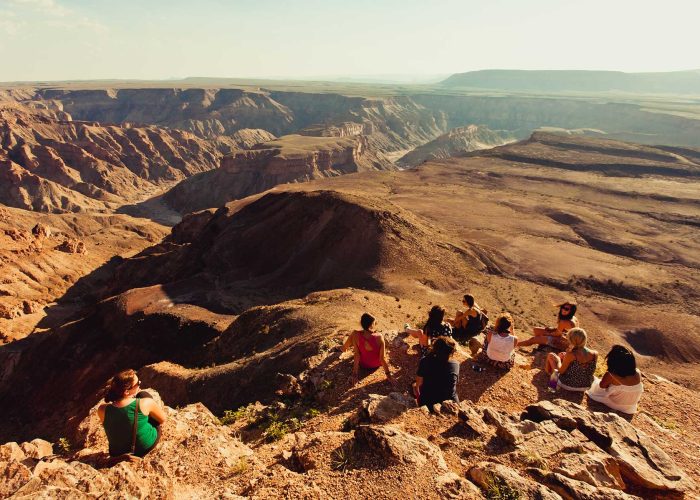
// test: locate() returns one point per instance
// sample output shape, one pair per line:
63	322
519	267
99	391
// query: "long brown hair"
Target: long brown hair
119	384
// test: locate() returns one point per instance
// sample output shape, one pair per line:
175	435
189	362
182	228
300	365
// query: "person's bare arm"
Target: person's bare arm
153	410
417	385
356	360
101	412
568	358
348	341
606	381
382	356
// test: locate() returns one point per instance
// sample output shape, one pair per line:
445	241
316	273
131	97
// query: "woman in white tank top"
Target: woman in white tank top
501	343
621	387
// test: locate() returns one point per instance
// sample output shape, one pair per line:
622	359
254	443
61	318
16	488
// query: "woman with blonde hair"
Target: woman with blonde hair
577	365
131	417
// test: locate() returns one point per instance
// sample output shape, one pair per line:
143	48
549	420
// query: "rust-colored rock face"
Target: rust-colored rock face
50	163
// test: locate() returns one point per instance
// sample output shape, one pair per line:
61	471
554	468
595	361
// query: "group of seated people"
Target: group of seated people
437	375
132	418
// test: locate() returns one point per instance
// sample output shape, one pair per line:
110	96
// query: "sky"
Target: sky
43	40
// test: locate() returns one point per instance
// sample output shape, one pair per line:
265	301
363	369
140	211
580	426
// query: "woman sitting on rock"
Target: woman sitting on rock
555	337
437	376
621	387
435	327
369	349
126	434
469	323
499	348
576	366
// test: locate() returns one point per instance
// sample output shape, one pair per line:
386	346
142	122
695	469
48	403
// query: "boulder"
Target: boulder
599	470
451	485
641	462
72	246
37	449
499	481
381	409
449	408
11	452
397	446
571	489
472	419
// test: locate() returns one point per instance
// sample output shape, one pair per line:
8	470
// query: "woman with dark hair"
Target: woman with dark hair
555	337
499	348
469	323
437	376
131	418
435	327
369	349
621	387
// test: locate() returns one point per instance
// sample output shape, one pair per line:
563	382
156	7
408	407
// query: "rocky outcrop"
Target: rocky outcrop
338	130
193	457
641	462
292	158
454	143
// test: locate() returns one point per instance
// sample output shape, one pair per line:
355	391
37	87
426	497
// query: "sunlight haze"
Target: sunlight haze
80	39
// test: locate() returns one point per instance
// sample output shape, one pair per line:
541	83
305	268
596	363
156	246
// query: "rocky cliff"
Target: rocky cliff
457	141
42	256
292	158
51	163
398	122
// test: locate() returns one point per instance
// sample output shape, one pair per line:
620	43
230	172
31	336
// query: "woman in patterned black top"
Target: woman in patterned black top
577	365
435	327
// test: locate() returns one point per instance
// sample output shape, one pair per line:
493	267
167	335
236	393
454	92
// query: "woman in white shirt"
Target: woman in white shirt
621	387
499	349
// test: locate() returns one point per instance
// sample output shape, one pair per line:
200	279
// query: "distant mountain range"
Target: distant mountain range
675	82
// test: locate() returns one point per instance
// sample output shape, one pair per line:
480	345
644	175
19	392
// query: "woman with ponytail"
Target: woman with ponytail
124	401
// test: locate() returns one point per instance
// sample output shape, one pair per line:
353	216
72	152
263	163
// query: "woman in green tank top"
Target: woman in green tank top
117	416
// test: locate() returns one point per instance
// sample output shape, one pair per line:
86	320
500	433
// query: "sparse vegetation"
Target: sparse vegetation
326	384
241	467
63	446
666	423
533	459
276	431
342	456
498	489
232	416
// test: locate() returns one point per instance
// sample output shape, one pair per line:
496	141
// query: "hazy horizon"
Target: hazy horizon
408	41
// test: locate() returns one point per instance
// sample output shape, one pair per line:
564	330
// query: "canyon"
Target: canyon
224	243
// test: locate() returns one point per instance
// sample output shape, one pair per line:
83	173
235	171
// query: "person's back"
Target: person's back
621	387
501	346
129	431
368	343
119	427
439	380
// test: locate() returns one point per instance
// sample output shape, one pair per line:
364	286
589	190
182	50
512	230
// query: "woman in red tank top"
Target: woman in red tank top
369	350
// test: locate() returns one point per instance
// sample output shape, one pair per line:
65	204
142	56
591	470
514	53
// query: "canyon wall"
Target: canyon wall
397	122
292	158
51	163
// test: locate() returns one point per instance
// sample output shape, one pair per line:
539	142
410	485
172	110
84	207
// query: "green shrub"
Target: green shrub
276	431
232	416
498	489
63	446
